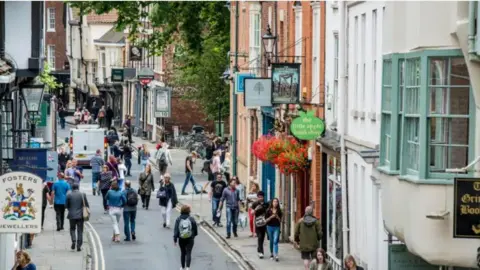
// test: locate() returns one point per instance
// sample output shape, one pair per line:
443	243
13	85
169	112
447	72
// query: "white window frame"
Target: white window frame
298	39
316	49
103	66
51	20
333	200
255	54
51	56
336	44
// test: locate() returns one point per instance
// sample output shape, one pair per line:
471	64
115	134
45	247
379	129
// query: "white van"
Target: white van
85	140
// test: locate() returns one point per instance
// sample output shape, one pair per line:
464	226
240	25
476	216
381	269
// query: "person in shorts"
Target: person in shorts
308	233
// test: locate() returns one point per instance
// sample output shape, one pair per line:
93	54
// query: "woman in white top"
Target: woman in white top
122	171
226	167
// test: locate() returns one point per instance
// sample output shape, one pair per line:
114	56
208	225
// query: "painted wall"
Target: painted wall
332	105
91	33
18	31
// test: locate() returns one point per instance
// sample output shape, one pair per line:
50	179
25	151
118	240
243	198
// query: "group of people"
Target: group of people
100	115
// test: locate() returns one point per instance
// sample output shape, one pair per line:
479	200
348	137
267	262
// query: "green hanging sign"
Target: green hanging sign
307	126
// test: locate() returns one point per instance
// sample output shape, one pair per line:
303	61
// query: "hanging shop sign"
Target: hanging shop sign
162	102
258	92
136	53
240	81
32	160
145	76
399	258
117	75
307	126
21	203
466	217
285	83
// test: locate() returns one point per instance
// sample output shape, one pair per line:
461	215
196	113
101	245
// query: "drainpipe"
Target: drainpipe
235	105
342	84
80	31
471	26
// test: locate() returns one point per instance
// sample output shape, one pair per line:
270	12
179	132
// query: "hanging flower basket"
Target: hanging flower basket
294	160
260	147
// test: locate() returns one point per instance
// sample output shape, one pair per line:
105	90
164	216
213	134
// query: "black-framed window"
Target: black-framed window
7	127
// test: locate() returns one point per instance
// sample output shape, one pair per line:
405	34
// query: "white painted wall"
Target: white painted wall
18	31
331	98
93	32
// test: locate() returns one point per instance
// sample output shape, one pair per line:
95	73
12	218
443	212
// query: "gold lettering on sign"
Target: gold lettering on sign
476	186
476	229
467	198
467	210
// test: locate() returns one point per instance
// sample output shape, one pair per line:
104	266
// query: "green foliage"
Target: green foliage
200	32
46	78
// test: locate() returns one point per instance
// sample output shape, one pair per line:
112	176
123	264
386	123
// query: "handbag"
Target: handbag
260	221
85	209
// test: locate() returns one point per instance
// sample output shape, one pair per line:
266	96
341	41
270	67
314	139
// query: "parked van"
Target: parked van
85	140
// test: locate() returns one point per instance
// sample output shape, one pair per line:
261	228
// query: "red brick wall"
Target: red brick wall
57	38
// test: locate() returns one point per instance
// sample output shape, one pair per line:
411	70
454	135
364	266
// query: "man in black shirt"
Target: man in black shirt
215	195
260	207
62	159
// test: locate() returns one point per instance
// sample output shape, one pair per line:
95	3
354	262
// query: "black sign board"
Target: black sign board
466	217
117	75
136	53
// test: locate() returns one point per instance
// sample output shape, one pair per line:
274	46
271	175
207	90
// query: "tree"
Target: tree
200	33
46	78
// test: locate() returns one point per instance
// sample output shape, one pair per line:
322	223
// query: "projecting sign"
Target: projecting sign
135	53
20	203
307	126
466	207
258	92
117	75
285	83
240	81
162	102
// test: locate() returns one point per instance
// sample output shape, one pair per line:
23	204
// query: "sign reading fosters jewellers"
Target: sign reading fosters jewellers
20	203
466	216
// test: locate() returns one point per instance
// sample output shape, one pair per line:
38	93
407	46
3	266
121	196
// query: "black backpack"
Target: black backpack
132	198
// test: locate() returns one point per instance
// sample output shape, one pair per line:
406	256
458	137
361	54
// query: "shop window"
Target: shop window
448	119
334	206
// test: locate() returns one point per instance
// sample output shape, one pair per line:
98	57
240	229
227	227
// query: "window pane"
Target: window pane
438	72
387	98
459	100
386	135
438	104
445	157
412	96
412	72
459	72
411	137
387	73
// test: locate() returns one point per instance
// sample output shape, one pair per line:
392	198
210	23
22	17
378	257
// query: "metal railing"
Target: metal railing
334	262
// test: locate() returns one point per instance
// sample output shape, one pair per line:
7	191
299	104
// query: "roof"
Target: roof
110	17
112	36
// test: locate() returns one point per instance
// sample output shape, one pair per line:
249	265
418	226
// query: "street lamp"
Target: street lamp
32	95
269	41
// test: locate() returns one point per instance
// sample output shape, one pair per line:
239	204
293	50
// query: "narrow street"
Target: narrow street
154	244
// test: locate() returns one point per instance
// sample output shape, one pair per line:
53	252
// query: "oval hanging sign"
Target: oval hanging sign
307	126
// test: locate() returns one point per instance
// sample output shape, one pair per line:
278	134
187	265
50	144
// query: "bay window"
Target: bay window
428	115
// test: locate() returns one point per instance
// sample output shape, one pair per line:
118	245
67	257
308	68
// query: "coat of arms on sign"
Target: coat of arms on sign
19	206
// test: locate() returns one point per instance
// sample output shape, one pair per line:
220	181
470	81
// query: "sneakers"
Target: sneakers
228	237
276	258
73	246
260	255
235	234
164	225
134	237
271	257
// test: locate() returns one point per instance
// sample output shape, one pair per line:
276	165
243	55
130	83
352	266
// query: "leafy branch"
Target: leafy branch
48	79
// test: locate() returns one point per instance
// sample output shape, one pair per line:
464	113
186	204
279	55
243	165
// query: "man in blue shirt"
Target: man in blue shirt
96	163
59	195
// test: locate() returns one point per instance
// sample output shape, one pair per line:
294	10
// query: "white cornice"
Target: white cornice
315	5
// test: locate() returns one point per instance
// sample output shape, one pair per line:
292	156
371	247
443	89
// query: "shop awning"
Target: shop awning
93	90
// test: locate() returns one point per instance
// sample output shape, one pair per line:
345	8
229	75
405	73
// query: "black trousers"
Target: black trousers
186	246
104	196
76	231
59	214
145	200
44	206
261	232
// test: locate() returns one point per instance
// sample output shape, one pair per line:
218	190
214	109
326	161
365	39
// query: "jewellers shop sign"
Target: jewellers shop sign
20	203
466	217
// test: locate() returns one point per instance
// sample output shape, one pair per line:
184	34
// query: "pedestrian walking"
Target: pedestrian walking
259	210
184	233
215	195
130	211
62	113
320	261
113	166
308	233
144	156
145	181
77	116
189	173
225	168
116	201
252	198
216	165
105	182
23	261
110	116
45	199
122	171
74	173
62	159
232	198
96	163
167	196
59	195
101	116
351	263
163	158
127	156
274	218
76	202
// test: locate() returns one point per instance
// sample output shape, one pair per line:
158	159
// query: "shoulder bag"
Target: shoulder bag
85	209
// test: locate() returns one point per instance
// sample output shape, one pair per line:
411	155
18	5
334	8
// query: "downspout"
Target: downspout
235	105
80	31
342	84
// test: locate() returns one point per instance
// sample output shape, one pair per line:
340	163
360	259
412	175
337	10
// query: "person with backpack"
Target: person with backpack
163	158
215	195
184	233
167	196
130	211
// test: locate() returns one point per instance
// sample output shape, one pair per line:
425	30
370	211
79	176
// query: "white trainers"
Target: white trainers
260	255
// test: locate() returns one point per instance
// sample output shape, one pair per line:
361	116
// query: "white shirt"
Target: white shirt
122	169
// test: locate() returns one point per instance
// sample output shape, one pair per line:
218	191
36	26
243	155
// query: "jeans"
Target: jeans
115	214
189	178
166	211
59	214
232	220
215	203
76	225
273	235
95	178
129	223
120	183
128	164
104	196
144	163
62	122
261	231
186	246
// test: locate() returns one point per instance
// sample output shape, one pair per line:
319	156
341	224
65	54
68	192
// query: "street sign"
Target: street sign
307	126
466	209
162	102
240	81
117	75
145	75
21	203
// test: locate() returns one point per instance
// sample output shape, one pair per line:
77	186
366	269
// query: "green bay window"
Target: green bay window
428	115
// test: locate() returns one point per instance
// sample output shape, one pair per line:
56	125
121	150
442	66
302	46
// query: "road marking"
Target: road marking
100	246
95	255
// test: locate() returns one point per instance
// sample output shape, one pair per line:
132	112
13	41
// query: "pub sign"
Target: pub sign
466	217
